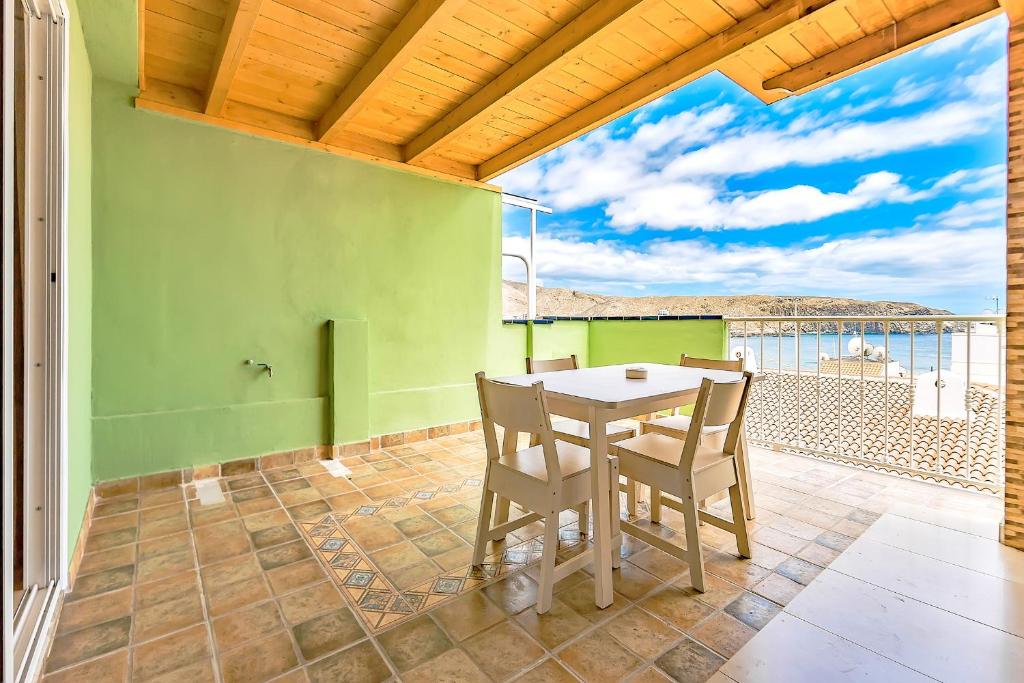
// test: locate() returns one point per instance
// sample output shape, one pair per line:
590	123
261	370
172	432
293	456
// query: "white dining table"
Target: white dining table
600	395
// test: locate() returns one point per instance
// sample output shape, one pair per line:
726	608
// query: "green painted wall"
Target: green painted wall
211	247
662	341
562	339
79	280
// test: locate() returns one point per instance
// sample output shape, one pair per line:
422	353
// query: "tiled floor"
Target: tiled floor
300	575
950	602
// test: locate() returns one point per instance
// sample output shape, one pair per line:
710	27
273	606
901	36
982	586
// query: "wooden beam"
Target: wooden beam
1014	9
415	28
687	67
589	26
904	35
142	45
238	24
174	100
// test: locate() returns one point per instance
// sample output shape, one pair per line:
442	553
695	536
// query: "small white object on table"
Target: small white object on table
598	396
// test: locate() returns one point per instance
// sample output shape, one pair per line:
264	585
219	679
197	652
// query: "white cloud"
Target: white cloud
987	212
693	205
981	34
908	90
894	264
974	180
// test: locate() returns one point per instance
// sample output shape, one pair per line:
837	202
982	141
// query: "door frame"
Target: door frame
29	624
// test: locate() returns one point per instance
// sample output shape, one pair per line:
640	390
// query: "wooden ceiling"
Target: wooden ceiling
468	89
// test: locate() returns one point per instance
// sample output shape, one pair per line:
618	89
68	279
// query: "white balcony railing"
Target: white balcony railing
921	396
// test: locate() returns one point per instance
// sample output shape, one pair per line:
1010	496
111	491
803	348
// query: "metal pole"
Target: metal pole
531	270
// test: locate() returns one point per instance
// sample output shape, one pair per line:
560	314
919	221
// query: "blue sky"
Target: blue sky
889	184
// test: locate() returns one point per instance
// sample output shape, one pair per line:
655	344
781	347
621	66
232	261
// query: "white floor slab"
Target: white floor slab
927	639
792	650
982	597
955	547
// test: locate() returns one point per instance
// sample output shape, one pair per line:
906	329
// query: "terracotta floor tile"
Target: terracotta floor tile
580	597
116	507
555	626
598	657
299	497
259	660
659	563
170	588
293	484
347	502
221	541
101	582
107	559
453	665
549	671
111	539
514	593
723	634
95	610
153	568
170	653
226	598
397	556
815	553
102	525
86	643
205	515
281	555
642	633
266	520
251	507
158	512
798	570
360	663
247	495
309	510
653	675
457	557
281	474
372	534
166	544
778	588
439	542
676	607
308	602
468	615
275	535
414	642
326	633
112	667
753	610
454	514
292	576
503	650
690	662
241	626
166	617
197	672
633	582
717	592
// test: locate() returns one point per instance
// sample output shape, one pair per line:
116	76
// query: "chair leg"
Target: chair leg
631	497
547	564
694	555
583	511
656	505
483	525
702	505
616	512
501	510
739	521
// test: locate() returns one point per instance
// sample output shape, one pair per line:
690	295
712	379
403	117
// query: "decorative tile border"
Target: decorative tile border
377	601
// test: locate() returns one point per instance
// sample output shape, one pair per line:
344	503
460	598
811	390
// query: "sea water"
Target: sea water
925	349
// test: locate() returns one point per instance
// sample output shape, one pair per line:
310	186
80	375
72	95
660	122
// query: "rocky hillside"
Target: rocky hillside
569	302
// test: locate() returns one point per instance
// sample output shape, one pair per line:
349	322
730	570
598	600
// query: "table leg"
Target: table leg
600	505
743	464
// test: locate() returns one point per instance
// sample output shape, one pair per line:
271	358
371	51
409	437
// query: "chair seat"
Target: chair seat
578	432
680	424
666	450
572	460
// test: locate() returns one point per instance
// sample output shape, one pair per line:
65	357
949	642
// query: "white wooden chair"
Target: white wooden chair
692	471
566	429
677	425
544	479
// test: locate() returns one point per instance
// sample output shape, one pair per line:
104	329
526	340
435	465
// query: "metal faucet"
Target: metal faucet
262	366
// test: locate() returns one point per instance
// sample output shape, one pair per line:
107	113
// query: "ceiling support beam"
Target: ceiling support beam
904	35
238	25
589	26
415	28
685	68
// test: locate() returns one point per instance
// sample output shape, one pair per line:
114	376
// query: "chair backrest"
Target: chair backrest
711	363
552	365
518	410
718	403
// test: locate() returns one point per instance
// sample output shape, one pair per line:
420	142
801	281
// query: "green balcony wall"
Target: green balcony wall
212	247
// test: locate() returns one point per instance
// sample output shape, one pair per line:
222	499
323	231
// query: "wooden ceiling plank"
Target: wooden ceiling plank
186	14
238	24
896	38
590	25
685	68
424	18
